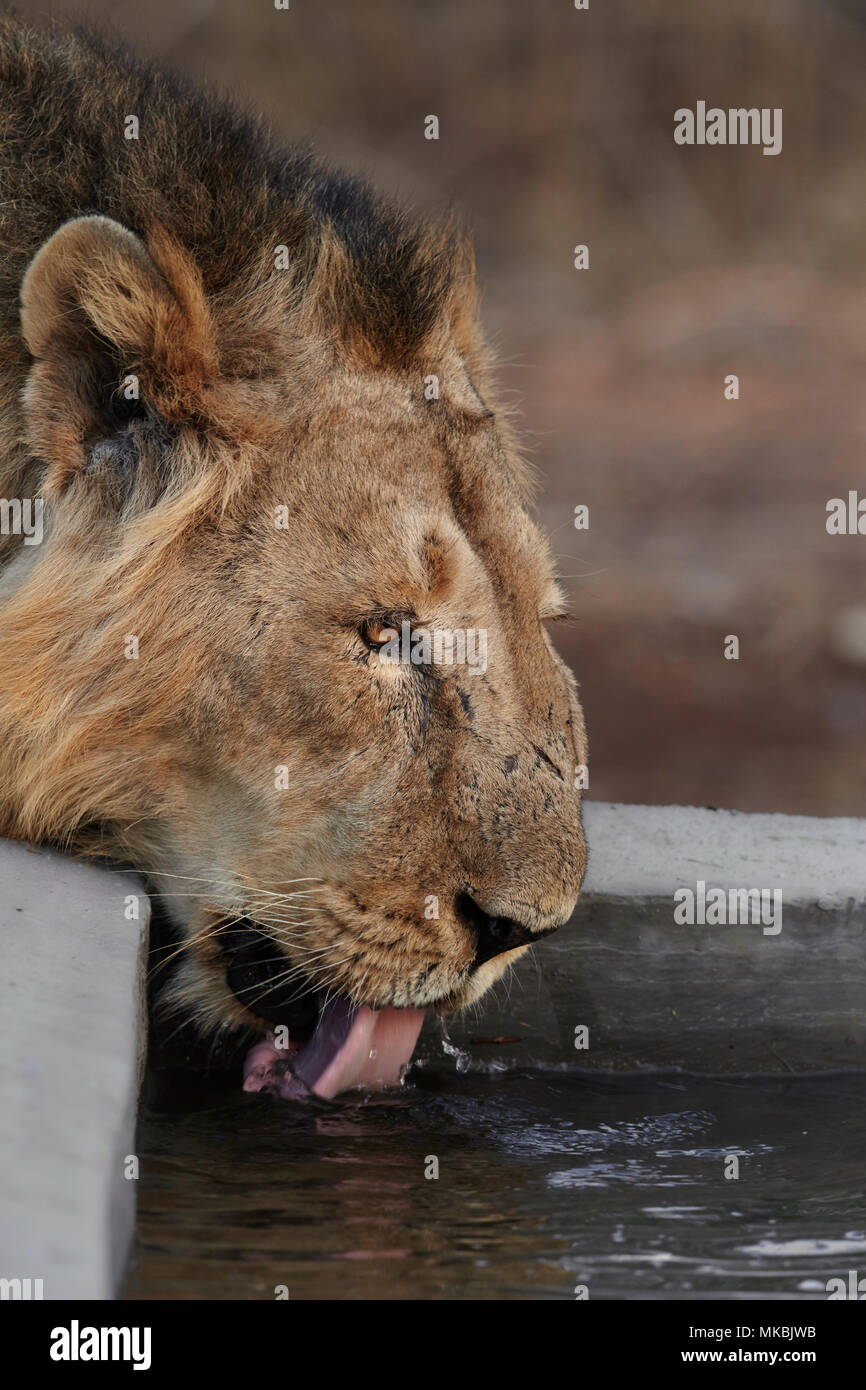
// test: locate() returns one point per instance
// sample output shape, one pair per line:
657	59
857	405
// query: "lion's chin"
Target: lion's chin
351	1047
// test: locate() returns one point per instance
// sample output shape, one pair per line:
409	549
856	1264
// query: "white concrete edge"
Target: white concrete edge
649	851
72	1042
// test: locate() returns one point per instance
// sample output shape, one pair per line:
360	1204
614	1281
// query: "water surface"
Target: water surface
547	1180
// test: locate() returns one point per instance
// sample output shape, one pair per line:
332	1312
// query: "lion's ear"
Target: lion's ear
97	309
93	277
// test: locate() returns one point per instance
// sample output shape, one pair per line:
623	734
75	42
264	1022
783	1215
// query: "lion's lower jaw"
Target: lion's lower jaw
351	1048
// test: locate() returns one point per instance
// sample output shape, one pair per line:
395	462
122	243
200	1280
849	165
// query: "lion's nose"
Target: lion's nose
494	935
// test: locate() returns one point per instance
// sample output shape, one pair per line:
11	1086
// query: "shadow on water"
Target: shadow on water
546	1180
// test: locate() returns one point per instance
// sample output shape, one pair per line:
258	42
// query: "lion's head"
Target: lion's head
284	644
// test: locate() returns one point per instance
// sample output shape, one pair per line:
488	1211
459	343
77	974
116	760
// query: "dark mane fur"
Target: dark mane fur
206	171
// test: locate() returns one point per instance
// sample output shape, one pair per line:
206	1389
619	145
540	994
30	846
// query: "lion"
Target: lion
254	405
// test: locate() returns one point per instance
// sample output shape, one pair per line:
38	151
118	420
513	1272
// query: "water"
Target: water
546	1180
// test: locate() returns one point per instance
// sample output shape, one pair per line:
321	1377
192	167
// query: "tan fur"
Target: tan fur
403	786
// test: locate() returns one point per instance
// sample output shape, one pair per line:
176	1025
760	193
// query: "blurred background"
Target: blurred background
707	516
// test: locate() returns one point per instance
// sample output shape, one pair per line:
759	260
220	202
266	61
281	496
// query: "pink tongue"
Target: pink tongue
350	1047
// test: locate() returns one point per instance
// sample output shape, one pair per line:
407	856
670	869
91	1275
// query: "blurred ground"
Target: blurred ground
707	517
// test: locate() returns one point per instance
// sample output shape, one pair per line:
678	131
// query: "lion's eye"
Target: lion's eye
376	634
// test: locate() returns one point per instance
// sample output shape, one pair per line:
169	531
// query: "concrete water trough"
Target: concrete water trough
652	973
783	993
